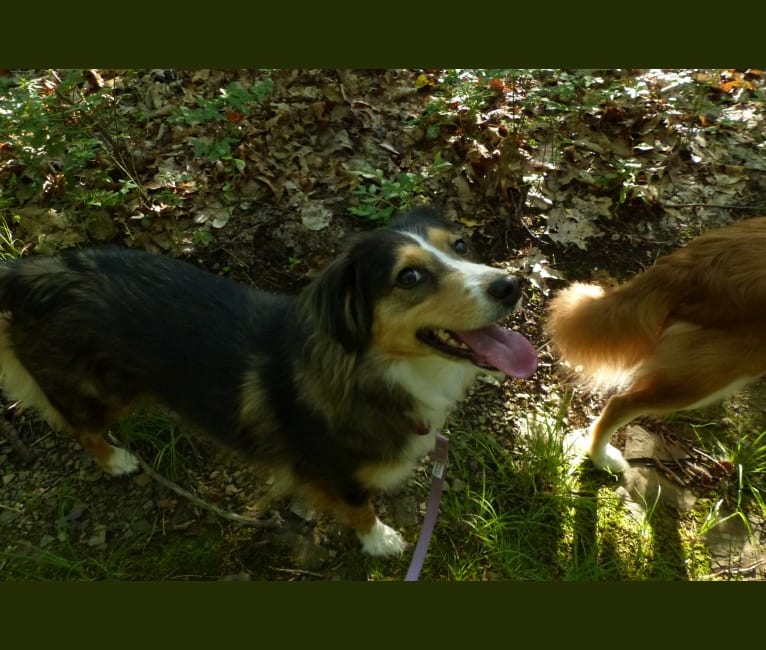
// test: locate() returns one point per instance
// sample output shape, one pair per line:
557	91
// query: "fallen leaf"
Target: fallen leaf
167	505
568	226
315	217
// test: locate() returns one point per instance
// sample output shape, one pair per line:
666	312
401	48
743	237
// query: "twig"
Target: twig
299	572
231	516
713	205
670	472
704	455
734	571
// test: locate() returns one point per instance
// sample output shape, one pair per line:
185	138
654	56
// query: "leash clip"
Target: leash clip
439	455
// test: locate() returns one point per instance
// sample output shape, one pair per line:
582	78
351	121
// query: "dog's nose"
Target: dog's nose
506	289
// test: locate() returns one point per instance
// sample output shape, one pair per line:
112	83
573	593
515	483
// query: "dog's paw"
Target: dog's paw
611	459
382	540
577	449
300	510
121	462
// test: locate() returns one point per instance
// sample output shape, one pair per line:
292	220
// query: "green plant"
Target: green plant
233	98
203	237
748	458
68	141
224	112
43	564
10	247
380	198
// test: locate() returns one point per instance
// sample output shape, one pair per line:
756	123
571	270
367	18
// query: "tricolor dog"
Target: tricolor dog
339	390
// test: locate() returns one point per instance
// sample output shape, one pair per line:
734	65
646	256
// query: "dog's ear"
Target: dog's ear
342	304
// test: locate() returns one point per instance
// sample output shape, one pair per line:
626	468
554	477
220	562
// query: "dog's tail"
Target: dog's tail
603	335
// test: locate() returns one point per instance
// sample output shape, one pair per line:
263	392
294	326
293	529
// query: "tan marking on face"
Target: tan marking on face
449	299
442	239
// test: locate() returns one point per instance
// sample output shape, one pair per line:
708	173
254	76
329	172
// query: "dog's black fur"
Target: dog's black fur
303	384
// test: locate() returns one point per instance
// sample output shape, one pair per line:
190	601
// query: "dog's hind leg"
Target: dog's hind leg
619	410
690	368
653	396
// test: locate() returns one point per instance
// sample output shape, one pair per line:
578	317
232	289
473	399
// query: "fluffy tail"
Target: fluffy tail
601	334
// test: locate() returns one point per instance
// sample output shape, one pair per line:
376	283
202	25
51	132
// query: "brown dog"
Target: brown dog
687	332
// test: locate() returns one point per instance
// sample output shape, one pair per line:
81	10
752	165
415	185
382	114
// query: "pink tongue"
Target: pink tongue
502	349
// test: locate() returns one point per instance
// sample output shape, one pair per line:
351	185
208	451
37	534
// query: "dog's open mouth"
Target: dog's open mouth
492	348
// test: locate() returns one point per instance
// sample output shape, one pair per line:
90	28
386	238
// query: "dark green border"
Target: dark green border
214	614
384	35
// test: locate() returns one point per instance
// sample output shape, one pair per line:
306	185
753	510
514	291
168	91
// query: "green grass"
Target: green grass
523	513
167	557
514	509
157	437
744	492
10	247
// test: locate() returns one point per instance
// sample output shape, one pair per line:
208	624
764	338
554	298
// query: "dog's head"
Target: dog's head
410	290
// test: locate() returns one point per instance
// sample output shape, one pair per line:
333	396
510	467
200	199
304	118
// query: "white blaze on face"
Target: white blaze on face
475	277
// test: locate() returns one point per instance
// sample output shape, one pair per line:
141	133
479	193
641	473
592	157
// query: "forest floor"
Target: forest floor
261	176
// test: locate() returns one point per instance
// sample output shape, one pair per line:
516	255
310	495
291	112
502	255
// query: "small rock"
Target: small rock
142	480
456	485
237	577
644	485
316	217
142	527
98	538
639	443
77	511
405	512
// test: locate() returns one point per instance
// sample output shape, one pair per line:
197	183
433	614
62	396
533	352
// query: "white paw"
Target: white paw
122	462
382	540
307	514
577	448
610	459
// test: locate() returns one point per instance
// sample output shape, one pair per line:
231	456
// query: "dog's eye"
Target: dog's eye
409	278
460	247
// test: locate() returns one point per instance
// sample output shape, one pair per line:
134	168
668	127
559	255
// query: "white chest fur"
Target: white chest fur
437	386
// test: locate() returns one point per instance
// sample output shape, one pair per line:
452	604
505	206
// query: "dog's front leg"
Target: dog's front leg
381	540
376	537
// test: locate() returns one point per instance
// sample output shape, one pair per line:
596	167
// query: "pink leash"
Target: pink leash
439	455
